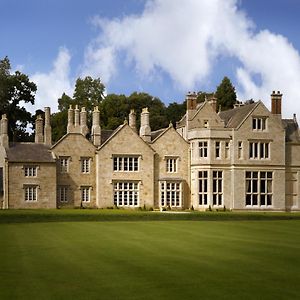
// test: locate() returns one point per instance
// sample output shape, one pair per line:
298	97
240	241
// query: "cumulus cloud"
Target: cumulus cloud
51	85
186	38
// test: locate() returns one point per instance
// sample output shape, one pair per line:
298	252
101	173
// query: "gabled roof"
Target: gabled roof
234	117
66	135
157	133
105	135
292	133
29	152
161	132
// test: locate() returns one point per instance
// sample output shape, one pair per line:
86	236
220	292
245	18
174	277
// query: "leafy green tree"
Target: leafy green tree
225	94
14	89
202	96
175	112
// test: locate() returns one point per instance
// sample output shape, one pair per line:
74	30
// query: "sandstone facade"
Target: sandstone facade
247	158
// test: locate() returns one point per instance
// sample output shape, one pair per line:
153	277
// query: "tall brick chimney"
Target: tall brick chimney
4	132
276	99
70	126
132	119
191	101
96	128
83	122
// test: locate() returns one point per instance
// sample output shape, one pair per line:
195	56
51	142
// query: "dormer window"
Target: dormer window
259	123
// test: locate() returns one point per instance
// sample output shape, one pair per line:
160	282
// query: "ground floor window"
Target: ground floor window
126	193
210	188
170	194
203	184
30	193
62	193
218	188
85	194
259	191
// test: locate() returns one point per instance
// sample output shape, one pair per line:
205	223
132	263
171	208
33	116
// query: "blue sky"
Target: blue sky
163	47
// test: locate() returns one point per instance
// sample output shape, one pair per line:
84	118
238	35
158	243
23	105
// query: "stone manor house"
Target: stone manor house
246	158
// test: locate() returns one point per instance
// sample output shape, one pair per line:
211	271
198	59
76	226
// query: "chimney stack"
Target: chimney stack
83	127
213	102
70	126
132	119
4	132
47	128
39	138
191	101
76	119
96	129
276	99
145	130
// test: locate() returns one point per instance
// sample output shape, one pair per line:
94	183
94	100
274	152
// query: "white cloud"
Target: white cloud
185	38
51	85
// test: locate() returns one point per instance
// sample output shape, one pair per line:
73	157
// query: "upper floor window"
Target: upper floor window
30	171
203	149
126	163
259	123
171	164
240	149
218	149
126	193
85	164
64	164
259	150
227	149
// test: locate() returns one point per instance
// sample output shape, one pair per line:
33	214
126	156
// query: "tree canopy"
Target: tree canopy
225	94
15	90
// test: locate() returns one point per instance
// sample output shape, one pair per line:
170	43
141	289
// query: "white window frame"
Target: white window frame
64	162
171	164
63	193
30	193
126	193
259	150
217	190
259	188
240	149
203	149
170	194
30	171
218	149
85	192
227	150
126	163
203	188
85	165
259	123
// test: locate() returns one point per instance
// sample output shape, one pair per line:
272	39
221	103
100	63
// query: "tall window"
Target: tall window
217	188
259	188
126	193
30	171
259	150
85	165
85	193
30	193
240	150
64	164
227	150
62	193
126	163
203	152
203	184
171	164
259	124
170	194
218	149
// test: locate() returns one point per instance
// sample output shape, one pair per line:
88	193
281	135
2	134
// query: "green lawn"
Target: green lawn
153	259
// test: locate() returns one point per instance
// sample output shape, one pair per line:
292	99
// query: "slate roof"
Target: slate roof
156	133
292	133
105	135
29	152
235	116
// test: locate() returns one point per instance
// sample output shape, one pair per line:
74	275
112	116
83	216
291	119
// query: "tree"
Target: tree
14	89
175	112
225	94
